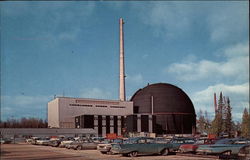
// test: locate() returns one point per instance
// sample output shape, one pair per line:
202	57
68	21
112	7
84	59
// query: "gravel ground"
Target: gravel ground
34	152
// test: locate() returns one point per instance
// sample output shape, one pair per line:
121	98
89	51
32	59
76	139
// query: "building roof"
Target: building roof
167	99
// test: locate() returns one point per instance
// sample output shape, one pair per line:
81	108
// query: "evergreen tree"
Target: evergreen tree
216	124
228	119
245	125
201	122
207	122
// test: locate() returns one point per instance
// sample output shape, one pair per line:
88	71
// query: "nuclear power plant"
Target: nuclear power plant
159	108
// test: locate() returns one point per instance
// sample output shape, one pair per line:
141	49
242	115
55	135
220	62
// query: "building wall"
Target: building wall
53	113
69	108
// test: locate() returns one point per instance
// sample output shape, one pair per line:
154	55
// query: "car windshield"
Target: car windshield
161	140
130	141
200	141
182	141
118	141
224	141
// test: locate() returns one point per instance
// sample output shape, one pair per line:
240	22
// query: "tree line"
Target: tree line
24	123
222	124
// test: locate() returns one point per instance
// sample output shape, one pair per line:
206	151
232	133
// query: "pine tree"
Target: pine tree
228	119
207	122
216	124
245	125
201	122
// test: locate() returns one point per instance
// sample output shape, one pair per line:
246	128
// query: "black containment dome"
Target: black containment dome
173	111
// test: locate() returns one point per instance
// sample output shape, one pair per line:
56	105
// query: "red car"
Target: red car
192	147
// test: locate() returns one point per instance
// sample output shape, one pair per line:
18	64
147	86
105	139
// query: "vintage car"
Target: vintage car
162	140
106	146
82	144
185	148
5	141
244	153
43	141
65	141
143	145
34	140
223	147
178	141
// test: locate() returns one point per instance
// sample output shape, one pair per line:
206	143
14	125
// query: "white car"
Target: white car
43	141
66	141
105	147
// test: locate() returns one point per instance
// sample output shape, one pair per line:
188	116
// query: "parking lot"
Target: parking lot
34	152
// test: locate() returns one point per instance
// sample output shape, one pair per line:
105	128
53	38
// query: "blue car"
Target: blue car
143	146
223	147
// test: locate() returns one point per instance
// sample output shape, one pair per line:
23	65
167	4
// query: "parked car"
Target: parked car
106	146
178	141
244	153
66	141
97	139
223	147
52	141
184	148
162	140
34	140
28	140
143	145
5	141
43	141
82	144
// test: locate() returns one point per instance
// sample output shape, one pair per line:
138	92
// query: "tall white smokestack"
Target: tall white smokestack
122	68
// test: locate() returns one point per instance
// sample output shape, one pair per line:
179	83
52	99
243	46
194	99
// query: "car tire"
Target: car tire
125	154
109	153
78	148
165	152
133	154
228	153
181	151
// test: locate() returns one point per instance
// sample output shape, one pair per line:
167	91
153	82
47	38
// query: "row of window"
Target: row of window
82	105
98	102
88	105
117	107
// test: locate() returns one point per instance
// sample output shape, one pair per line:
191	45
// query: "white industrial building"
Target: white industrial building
105	116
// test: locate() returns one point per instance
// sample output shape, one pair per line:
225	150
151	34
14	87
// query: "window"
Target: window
101	106
136	109
107	124
81	105
117	107
88	121
142	141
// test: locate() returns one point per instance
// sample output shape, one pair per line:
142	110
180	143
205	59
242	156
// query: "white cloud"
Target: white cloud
96	93
238	94
235	66
228	22
134	78
223	21
238	50
167	19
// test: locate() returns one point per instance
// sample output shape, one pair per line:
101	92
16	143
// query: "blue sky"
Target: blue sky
72	49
